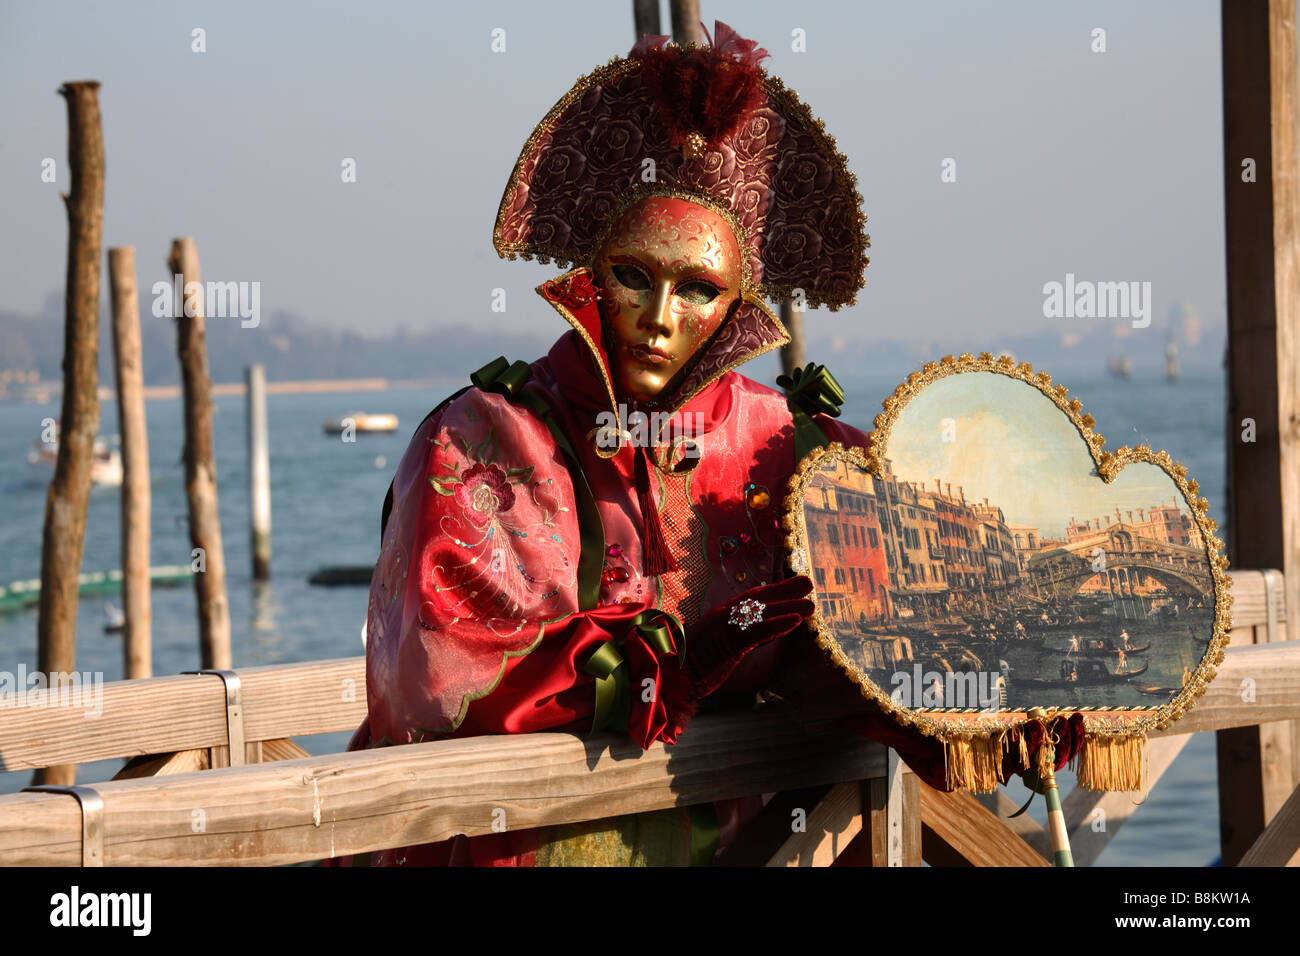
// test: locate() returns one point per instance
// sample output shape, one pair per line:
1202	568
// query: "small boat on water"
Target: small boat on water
105	463
114	618
1102	647
1085	673
361	422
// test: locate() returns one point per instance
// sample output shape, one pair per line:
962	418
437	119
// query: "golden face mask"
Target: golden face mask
669	273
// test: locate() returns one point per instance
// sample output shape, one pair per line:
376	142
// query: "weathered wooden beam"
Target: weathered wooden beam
1256	764
830	826
186	712
1261	147
164	765
1252	598
1279	844
167	714
762	836
282	750
1254	685
876	807
1023	826
64	532
969	830
318	807
191	761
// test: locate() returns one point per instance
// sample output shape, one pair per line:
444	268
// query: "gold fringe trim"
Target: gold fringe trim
974	762
1113	763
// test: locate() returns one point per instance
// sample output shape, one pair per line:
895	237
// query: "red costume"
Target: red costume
549	555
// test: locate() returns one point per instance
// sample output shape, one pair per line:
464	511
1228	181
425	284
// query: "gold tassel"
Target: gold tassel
1113	763
1046	756
974	763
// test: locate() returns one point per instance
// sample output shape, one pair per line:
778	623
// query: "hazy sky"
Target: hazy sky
1105	165
965	428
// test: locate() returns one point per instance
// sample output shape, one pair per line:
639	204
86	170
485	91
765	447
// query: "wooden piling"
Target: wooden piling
64	534
259	474
200	461
136	598
1257	766
686	21
793	354
645	18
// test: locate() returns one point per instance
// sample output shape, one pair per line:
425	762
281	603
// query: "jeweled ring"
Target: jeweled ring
745	613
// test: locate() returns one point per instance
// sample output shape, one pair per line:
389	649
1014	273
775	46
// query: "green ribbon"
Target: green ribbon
613	691
810	390
813	389
504	378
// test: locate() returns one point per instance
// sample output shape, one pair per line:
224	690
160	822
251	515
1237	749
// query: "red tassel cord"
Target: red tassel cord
657	558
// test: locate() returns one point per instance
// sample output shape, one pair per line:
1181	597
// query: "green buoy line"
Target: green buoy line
25	594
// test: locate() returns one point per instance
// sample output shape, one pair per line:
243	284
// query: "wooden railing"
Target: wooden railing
860	804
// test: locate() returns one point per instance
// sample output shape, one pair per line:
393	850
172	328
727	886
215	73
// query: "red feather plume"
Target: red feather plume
711	92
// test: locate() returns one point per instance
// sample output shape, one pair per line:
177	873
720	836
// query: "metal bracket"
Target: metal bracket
92	820
234	713
1270	604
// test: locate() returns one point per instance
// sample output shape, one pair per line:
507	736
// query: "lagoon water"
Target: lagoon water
326	498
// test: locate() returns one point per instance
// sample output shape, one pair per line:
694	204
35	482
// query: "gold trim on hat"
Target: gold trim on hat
787	104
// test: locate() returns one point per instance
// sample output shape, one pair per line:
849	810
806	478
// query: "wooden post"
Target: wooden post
136	646
645	18
686	21
64	534
1257	766
259	474
793	354
200	461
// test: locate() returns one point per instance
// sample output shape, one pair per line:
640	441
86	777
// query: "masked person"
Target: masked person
593	541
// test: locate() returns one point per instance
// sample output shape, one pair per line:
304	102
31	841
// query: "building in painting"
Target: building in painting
916	580
1001	564
852	576
903	549
1024	539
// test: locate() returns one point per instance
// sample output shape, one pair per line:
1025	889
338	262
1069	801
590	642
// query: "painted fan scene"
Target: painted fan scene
989	567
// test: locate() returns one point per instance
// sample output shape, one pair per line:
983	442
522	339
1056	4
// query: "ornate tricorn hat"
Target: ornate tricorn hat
704	123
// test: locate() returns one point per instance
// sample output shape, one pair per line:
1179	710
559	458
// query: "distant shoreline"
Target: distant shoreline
38	394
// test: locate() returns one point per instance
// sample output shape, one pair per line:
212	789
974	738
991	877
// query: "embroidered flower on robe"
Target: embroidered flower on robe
484	492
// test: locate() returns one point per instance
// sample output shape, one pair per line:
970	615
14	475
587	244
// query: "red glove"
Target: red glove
718	642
